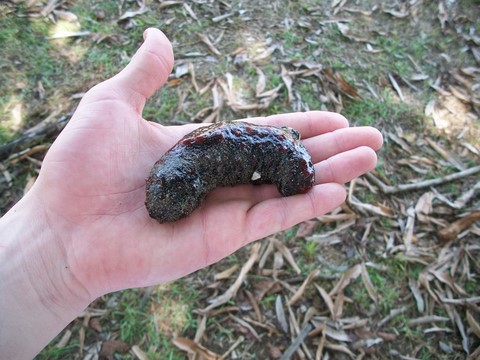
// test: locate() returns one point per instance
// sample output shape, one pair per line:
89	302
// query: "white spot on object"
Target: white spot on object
255	176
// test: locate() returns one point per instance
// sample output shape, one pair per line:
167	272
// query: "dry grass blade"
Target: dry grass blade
206	41
287	255
195	349
347	277
232	290
302	288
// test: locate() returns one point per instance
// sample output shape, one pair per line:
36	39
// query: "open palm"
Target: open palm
93	182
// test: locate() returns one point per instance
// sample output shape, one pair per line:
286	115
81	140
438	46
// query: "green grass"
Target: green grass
388	110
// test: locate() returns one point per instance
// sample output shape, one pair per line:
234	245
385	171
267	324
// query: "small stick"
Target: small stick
387	189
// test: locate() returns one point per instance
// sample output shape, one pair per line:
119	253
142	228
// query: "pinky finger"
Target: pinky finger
277	214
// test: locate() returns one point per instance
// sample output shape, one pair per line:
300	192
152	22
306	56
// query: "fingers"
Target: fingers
345	166
335	142
339	169
277	214
310	123
147	71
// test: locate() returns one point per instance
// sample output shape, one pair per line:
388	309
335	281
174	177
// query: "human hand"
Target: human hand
93	179
83	229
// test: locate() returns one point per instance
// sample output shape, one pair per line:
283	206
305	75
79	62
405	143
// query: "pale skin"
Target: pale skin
82	231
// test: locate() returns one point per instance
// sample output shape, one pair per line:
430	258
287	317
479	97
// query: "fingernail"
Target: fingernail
145	34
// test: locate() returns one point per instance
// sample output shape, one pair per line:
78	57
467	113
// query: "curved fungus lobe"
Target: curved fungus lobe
226	154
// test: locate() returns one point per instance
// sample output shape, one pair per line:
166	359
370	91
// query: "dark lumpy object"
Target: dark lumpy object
226	154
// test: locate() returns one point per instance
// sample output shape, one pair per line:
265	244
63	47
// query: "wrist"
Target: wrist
37	288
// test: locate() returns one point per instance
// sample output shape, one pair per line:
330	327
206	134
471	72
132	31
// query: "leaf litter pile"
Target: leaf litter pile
393	272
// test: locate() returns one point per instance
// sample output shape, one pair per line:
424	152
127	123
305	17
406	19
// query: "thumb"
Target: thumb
147	71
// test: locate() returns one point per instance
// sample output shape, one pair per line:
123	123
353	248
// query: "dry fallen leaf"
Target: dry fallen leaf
474	325
346	278
167	3
302	288
286	254
139	353
343	86
287	80
327	299
368	284
206	41
193	348
233	289
280	312
110	347
306	228
226	273
450	232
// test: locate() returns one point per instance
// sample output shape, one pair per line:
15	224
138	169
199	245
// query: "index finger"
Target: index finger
309	124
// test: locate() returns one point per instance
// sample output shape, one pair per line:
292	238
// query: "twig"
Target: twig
387	189
34	135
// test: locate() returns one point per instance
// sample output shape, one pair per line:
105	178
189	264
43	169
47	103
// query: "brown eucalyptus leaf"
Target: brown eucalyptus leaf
450	232
194	348
204	38
474	325
346	278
